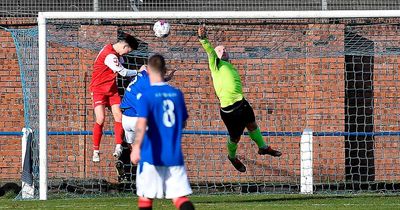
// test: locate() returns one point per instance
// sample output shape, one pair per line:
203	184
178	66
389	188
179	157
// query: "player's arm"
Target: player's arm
169	76
114	64
140	130
212	55
143	109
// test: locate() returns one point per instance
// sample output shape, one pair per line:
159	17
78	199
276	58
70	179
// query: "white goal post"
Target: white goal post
42	30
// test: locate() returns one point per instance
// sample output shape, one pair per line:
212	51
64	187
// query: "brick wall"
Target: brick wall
290	73
11	107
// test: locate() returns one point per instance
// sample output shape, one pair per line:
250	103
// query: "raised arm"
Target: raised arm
212	56
114	64
169	76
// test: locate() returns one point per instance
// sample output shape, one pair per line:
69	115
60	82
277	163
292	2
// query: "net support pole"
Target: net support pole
42	108
324	4
225	14
95	5
306	162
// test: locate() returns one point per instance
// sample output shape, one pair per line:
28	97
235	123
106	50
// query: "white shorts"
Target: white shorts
129	123
162	181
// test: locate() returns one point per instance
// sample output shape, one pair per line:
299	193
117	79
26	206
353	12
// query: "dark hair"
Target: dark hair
130	40
157	63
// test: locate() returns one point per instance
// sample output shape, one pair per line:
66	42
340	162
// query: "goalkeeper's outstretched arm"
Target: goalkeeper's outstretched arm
212	55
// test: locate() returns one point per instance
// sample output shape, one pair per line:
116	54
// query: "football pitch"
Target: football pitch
228	202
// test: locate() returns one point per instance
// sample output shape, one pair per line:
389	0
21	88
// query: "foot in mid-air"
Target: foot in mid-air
118	151
237	164
269	151
96	156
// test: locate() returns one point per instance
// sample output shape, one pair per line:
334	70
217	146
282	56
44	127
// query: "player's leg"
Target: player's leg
128	124
183	203
177	187
115	100
99	103
145	203
255	133
99	112
231	117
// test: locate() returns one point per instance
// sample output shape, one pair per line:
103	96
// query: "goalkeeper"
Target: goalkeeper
235	111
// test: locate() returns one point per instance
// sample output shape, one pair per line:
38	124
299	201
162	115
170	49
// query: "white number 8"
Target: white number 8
169	115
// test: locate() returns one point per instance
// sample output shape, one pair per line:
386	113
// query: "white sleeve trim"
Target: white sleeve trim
114	64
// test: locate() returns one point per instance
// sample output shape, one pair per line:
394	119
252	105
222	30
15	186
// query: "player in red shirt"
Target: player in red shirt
103	88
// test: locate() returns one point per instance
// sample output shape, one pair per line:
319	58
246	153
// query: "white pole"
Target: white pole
306	162
95	5
324	4
225	14
42	108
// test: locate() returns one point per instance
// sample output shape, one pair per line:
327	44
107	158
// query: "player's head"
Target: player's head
222	53
126	44
157	65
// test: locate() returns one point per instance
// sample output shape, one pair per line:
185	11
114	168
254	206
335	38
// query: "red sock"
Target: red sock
97	133
119	132
145	203
179	201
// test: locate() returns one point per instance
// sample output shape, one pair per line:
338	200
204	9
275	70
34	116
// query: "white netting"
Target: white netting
338	77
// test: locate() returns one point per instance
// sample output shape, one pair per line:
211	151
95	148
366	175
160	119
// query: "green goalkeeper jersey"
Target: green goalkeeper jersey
226	79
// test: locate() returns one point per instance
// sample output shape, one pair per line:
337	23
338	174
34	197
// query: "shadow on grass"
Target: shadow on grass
269	198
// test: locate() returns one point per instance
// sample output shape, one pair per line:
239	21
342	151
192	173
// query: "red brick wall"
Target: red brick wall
288	93
11	107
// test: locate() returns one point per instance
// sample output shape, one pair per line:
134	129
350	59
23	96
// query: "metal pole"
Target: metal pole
96	6
42	108
324	4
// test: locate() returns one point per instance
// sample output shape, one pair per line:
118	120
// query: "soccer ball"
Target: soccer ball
161	28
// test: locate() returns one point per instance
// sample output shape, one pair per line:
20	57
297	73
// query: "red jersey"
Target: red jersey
103	77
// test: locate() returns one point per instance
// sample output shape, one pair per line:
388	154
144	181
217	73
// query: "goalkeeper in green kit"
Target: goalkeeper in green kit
235	111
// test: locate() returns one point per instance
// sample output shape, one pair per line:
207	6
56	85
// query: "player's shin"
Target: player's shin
256	136
232	147
119	132
97	134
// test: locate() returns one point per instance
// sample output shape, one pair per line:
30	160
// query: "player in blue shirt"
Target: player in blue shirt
161	171
128	105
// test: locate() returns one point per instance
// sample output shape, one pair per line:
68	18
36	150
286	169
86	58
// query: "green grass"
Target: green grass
221	202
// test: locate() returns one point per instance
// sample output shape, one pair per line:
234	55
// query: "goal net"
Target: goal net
337	76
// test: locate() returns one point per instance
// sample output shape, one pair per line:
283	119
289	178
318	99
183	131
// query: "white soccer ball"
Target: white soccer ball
161	28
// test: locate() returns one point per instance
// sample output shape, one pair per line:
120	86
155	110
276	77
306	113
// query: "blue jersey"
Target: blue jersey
164	108
140	83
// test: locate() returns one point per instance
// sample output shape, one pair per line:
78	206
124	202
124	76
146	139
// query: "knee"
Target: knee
117	116
234	139
100	120
252	126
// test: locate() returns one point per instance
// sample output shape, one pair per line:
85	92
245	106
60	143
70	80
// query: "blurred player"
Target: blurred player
128	105
161	171
235	111
103	88
129	116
